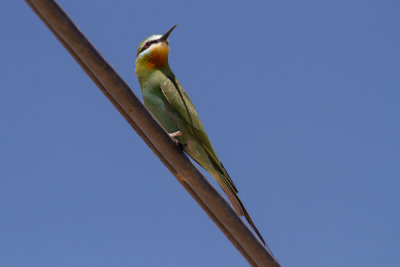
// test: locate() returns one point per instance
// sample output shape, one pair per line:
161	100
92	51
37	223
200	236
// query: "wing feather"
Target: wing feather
180	101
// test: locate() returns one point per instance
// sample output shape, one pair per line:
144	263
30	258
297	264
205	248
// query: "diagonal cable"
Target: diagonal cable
130	107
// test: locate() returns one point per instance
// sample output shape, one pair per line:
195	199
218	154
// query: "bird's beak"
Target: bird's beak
164	38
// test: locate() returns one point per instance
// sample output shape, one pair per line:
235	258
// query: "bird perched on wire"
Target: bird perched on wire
165	98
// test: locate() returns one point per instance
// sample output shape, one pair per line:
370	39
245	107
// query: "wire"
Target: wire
130	107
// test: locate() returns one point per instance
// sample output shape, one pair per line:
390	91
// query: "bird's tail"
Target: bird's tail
239	207
221	175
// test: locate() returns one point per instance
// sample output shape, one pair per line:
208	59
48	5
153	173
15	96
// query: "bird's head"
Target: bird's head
153	51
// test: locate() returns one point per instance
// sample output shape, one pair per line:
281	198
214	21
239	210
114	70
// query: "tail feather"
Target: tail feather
220	174
240	209
250	221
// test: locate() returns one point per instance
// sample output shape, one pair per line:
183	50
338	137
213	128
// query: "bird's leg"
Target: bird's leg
175	135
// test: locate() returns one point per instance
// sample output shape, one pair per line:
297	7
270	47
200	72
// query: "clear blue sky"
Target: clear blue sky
300	99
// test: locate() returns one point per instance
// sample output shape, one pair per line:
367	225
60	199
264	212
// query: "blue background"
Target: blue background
301	102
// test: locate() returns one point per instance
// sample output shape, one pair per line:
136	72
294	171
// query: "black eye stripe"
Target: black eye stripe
150	43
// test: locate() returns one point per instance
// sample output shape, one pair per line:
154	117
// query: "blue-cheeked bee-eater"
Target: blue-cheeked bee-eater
165	98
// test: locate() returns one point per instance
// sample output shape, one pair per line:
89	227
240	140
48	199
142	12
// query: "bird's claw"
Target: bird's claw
174	137
175	134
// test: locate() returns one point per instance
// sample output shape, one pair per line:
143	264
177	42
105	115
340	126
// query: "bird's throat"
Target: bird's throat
158	56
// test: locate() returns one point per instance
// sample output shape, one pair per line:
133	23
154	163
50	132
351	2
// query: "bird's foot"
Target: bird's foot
174	136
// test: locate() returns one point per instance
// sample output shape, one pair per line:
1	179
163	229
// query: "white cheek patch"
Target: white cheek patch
145	52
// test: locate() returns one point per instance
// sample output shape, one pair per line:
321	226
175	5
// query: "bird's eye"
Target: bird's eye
147	44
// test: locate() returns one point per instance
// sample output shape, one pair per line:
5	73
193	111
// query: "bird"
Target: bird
169	104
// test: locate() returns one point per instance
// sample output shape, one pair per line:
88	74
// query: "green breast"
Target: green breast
158	105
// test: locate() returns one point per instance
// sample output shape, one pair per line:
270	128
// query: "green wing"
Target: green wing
180	101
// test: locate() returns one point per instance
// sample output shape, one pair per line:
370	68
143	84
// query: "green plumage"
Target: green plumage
165	98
